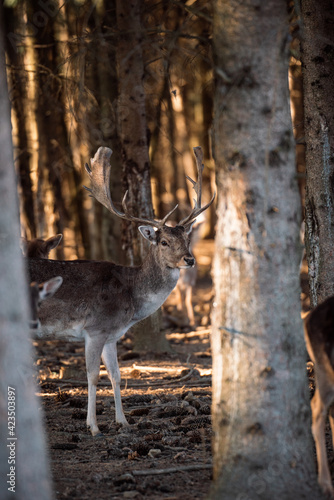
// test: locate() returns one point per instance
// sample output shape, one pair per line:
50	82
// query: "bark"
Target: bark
318	75
16	363
18	82
133	137
261	415
51	129
107	97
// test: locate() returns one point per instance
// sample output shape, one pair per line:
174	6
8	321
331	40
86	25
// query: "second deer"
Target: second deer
38	248
319	336
100	301
187	282
38	293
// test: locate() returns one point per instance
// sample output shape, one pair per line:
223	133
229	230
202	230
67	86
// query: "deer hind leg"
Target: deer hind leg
189	305
319	413
180	298
109	357
93	350
331	421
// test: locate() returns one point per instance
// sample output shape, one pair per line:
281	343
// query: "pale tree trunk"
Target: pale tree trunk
262	439
132	133
23	444
318	75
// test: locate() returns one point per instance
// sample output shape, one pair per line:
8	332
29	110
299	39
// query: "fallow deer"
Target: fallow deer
187	282
319	337
38	293
38	248
100	301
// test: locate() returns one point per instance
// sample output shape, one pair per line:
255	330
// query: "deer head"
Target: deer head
171	242
38	293
38	248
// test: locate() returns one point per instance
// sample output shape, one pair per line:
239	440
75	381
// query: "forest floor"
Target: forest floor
166	451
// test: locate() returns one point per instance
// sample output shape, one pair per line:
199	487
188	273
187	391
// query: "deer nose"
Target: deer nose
190	261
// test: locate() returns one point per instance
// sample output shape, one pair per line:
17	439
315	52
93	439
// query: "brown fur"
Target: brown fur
38	248
319	336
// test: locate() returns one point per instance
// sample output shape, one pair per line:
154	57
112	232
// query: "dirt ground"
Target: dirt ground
166	452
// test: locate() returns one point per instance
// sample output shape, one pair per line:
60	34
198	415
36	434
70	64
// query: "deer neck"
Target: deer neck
156	274
154	284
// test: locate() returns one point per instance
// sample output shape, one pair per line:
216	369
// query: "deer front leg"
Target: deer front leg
319	413
109	357
93	350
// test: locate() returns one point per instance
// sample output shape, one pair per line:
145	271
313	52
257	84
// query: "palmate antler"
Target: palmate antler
100	181
99	174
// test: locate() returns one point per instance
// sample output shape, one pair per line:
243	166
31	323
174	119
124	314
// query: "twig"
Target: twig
205	380
170	470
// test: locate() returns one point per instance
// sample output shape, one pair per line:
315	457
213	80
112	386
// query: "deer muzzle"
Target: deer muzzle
186	262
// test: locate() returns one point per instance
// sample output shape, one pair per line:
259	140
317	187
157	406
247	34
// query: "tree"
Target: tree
22	445
262	444
318	76
133	137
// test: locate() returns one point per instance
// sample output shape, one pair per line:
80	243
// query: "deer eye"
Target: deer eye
164	243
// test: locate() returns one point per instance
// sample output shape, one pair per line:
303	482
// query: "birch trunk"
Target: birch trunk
261	421
23	464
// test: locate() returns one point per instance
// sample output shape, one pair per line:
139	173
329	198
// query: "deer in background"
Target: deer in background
100	301
38	248
187	281
319	337
38	293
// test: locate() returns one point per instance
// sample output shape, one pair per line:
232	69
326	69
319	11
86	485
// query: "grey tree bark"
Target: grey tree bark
261	415
318	77
23	464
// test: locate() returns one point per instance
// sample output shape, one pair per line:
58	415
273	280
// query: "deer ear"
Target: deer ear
52	242
149	233
49	288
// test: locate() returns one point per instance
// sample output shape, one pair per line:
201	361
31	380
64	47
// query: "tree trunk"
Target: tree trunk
23	464
19	82
261	413
318	74
133	137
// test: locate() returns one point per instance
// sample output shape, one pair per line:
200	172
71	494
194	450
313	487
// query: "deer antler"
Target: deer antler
100	179
197	187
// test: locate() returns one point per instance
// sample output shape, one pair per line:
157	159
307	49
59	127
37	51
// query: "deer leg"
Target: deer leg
109	357
93	350
331	421
319	413
189	305
179	302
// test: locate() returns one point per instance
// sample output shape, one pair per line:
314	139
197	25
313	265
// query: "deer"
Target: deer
319	338
187	282
39	248
99	300
38	293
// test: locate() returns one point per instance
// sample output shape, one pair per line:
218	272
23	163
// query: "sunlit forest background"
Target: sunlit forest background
64	91
63	85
